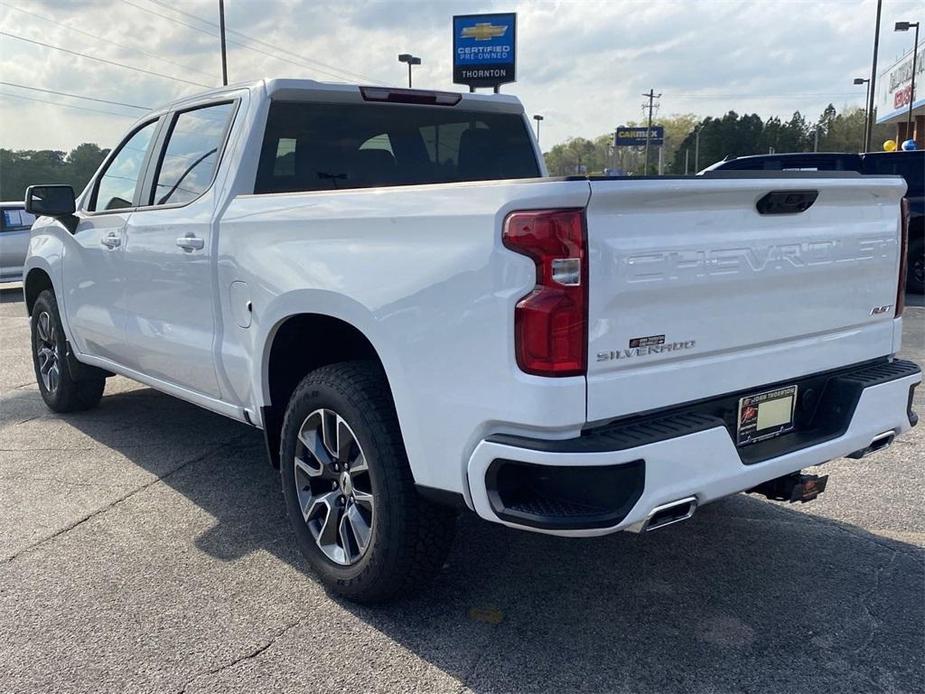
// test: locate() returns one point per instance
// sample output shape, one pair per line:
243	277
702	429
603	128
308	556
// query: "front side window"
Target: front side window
311	146
116	187
192	153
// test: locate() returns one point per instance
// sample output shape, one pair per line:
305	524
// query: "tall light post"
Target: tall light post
861	80
873	80
411	60
221	21
697	148
905	26
538	118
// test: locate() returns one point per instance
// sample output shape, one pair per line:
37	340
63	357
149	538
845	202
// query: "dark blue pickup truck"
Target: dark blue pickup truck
909	165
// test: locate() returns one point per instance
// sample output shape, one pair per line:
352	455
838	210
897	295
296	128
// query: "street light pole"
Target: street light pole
905	26
861	80
411	60
697	149
221	23
538	118
873	81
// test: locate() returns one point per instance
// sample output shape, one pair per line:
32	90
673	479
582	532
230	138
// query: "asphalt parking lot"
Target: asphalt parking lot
143	548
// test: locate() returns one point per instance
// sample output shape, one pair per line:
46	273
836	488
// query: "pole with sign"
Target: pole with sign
637	136
484	49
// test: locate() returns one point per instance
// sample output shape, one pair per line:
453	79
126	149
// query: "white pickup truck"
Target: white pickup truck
384	281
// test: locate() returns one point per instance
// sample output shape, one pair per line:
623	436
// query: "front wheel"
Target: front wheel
349	491
60	390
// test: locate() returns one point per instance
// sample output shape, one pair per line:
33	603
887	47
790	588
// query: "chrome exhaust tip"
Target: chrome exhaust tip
880	442
670	513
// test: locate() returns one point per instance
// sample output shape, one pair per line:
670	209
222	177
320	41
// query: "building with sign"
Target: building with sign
894	92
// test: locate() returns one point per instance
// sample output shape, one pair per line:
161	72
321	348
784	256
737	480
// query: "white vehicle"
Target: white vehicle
385	283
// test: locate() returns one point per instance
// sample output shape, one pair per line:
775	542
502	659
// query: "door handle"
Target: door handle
111	240
191	242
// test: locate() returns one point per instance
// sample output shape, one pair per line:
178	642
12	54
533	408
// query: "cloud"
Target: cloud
583	64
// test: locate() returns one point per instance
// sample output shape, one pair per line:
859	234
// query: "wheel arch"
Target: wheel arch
36	281
293	349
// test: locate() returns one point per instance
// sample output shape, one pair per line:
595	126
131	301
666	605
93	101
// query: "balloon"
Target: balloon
889	146
909	146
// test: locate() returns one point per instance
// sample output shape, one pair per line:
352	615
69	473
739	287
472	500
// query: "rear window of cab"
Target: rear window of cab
312	146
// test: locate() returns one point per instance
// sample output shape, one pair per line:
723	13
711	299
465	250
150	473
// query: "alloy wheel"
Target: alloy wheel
47	351
333	487
918	271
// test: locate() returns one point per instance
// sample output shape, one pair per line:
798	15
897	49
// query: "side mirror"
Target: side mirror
50	201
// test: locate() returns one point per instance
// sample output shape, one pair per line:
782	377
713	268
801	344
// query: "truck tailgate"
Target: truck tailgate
694	293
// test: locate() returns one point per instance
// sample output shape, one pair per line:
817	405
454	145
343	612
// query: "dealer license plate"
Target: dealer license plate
766	415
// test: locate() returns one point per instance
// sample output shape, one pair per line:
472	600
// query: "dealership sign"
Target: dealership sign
484	49
894	87
636	137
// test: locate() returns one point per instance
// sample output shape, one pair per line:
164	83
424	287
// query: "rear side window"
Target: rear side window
191	154
115	189
311	146
15	219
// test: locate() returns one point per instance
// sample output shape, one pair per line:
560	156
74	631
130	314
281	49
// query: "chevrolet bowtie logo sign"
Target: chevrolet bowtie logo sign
484	31
484	49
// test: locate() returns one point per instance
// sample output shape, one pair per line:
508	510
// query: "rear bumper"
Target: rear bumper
627	471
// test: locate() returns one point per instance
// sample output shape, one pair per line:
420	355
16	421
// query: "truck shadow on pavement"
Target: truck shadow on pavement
748	595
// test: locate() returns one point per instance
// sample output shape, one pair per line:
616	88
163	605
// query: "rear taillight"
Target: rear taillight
551	322
903	255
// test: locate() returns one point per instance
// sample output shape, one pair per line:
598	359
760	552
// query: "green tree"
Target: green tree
22	168
82	163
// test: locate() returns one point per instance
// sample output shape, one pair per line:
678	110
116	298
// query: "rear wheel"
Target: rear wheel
59	389
915	280
349	491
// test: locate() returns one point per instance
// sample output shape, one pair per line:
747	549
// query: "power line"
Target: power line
171	19
103	60
341	76
101	38
56	103
75	96
262	42
807	95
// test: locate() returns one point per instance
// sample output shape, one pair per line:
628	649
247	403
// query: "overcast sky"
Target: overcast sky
582	64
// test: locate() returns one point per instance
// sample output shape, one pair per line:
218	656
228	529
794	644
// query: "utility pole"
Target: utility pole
873	81
651	96
221	24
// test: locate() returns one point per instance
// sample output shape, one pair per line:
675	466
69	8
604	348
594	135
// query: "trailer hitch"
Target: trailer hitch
793	487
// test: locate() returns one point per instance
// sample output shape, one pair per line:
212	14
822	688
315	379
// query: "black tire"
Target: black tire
63	392
410	536
915	279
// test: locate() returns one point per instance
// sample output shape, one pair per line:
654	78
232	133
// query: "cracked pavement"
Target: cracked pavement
143	548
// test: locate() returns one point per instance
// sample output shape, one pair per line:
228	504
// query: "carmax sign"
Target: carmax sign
636	137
